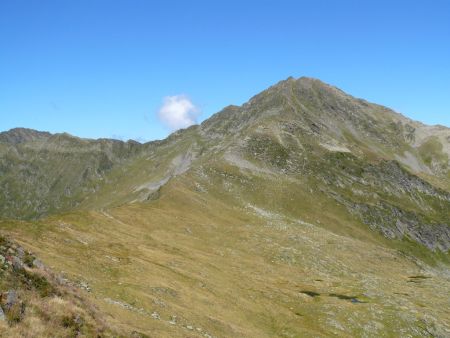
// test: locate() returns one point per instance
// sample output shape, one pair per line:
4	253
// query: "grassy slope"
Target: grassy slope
42	177
236	267
230	250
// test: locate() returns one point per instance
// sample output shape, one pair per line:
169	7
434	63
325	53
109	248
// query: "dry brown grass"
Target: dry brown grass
227	271
46	306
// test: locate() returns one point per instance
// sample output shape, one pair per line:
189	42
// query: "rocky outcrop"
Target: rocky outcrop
395	223
29	292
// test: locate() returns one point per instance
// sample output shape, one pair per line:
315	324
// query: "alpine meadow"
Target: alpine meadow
224	169
305	212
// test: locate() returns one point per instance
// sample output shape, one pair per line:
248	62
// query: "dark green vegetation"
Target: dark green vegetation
304	212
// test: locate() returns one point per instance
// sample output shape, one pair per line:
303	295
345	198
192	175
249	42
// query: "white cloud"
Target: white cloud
178	112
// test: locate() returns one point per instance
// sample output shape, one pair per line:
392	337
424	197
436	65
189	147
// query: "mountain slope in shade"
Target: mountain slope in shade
304	212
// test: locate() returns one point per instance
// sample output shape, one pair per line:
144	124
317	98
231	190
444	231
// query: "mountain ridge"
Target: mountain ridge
14	131
285	118
305	211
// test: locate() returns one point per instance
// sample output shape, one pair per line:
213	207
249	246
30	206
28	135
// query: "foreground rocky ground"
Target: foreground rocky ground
35	302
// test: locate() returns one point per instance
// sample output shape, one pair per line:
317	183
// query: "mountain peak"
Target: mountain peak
20	135
305	81
303	100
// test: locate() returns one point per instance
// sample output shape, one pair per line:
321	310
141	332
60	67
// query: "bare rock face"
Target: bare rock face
395	223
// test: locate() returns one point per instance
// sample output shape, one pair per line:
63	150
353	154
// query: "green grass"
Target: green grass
233	272
283	251
431	151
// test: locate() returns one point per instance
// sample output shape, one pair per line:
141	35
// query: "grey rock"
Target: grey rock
85	286
61	280
173	320
394	223
78	320
20	253
38	264
17	263
11	299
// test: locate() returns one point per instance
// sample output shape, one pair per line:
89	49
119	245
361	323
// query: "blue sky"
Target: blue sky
104	68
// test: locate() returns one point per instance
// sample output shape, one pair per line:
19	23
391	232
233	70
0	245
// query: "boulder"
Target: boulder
11	299
20	253
38	264
17	263
2	315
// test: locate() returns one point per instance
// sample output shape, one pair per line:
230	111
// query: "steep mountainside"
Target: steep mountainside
303	212
42	173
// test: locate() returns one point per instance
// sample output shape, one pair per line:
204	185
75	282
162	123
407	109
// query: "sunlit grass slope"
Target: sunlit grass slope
198	262
304	212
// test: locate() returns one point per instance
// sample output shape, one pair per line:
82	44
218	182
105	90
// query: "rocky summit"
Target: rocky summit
305	212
